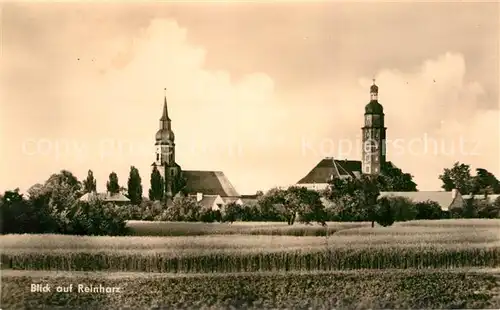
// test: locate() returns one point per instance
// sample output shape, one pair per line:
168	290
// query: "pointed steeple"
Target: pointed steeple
165	117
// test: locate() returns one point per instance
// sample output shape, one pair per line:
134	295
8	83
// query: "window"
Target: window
157	157
376	170
171	172
368	169
368	120
376	159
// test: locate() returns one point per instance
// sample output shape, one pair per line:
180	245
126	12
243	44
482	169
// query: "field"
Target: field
352	267
387	289
147	228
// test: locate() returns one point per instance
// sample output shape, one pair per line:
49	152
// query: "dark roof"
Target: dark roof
330	168
208	183
374	108
249	199
253	196
175	164
208	201
164	116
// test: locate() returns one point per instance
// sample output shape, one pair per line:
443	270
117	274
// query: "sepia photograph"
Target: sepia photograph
249	154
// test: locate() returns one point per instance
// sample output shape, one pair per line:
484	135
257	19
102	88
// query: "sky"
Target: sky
261	91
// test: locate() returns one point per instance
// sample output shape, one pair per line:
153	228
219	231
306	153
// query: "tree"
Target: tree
112	185
65	177
269	205
232	212
403	208
59	192
485	183
353	199
306	204
487	209
394	180
428	210
179	184
18	215
96	218
134	186
292	203
184	209
89	184
458	177
157	190
384	214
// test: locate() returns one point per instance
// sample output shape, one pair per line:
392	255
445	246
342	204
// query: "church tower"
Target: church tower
165	151
374	139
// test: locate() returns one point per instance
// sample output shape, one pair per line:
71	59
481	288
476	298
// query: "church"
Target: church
211	188
373	158
373	162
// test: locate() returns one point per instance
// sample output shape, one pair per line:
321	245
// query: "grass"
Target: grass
150	228
388	289
456	223
354	248
420	264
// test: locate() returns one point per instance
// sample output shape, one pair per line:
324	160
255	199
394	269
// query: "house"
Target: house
447	200
118	198
214	202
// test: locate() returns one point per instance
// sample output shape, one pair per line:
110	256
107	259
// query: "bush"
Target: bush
19	215
96	218
428	210
403	209
477	208
209	216
41	214
232	212
384	214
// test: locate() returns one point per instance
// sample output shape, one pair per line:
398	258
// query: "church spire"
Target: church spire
165	117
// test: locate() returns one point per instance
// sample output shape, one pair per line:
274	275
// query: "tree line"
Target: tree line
54	206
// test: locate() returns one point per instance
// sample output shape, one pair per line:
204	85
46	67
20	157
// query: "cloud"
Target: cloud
260	135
